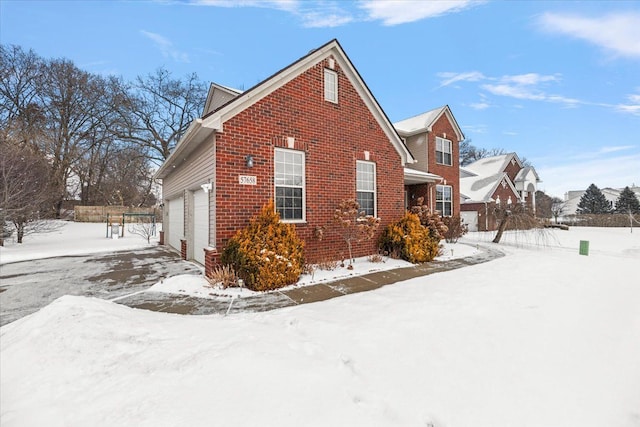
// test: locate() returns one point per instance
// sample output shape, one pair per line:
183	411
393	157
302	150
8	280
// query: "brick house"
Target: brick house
307	137
491	181
433	139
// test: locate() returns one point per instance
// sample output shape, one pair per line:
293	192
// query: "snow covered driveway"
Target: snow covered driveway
28	286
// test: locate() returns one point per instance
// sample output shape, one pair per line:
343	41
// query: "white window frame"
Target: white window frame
443	201
446	147
360	188
303	186
330	86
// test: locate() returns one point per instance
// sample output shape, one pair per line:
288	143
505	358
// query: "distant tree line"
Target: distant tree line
68	134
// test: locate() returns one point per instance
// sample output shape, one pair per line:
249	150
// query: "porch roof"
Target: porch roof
412	176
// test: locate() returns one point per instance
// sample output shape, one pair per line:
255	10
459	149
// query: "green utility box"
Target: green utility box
584	247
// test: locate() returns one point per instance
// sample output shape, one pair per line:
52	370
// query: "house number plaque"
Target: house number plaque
248	180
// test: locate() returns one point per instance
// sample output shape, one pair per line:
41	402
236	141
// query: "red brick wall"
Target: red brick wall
450	173
211	259
505	193
333	136
183	249
512	170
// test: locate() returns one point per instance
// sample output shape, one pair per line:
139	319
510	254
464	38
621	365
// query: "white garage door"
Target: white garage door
176	222
200	224
471	219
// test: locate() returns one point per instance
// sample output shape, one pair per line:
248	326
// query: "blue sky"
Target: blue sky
557	82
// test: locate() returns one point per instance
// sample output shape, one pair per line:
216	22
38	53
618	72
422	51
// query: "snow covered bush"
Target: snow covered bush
224	276
267	254
410	240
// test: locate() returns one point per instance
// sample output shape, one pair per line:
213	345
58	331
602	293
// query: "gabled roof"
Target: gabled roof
214	120
424	122
492	165
480	188
524	172
217	96
464	172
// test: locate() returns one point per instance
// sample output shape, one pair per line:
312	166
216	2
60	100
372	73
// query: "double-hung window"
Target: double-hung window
366	187
443	151
289	184
330	86
444	200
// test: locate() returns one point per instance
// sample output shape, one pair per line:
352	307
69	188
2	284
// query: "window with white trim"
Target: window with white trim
366	187
289	184
444	200
443	151
330	86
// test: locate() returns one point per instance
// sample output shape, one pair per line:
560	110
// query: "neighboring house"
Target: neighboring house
492	181
307	137
572	198
434	139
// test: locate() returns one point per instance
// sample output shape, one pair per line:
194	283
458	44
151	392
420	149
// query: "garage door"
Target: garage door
200	224
176	222
471	219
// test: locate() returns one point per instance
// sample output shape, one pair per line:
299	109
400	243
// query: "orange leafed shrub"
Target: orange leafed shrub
409	240
267	254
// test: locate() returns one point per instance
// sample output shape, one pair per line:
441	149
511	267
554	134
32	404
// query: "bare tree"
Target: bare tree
353	225
18	89
144	227
158	109
75	104
514	217
470	153
558	208
24	195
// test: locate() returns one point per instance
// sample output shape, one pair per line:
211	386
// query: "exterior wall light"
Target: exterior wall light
207	187
249	161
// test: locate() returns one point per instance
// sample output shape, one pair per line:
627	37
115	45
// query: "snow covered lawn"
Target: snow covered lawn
71	238
542	337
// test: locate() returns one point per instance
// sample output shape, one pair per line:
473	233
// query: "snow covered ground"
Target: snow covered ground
541	337
71	238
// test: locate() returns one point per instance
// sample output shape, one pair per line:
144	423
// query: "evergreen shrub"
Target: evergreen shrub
267	254
409	240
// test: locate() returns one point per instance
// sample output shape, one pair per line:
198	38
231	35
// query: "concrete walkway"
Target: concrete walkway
170	303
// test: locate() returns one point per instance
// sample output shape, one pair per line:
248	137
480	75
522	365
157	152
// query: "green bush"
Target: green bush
409	240
267	254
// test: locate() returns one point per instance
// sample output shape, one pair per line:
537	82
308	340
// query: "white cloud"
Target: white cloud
616	148
479	105
633	107
394	12
166	46
332	13
618	33
450	78
529	86
529	79
313	14
286	5
479	129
